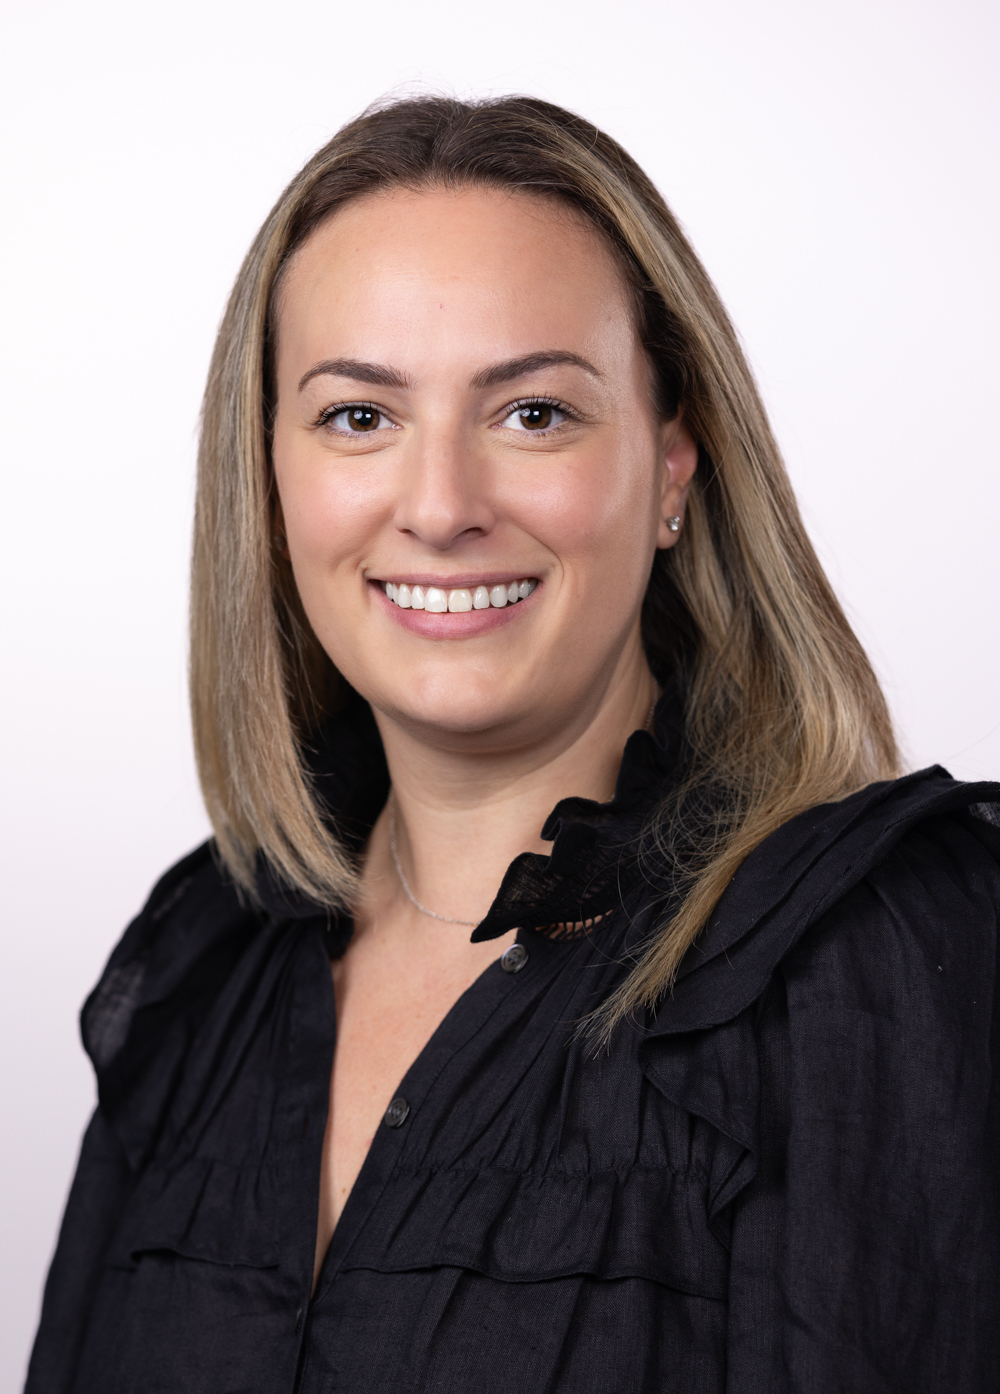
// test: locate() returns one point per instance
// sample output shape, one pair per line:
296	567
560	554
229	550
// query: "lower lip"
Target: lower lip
465	624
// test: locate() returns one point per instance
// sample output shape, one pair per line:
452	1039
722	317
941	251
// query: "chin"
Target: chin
452	703
458	717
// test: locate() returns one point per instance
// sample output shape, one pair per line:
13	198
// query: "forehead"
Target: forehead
515	272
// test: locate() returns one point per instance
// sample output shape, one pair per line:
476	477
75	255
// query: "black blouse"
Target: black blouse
785	1179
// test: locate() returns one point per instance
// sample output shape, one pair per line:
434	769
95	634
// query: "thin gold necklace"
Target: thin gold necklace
446	919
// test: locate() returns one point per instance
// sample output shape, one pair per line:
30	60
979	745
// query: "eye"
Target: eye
357	418
534	416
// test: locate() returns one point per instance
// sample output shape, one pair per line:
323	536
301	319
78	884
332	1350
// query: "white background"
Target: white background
835	165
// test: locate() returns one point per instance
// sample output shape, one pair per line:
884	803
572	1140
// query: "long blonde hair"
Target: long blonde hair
783	709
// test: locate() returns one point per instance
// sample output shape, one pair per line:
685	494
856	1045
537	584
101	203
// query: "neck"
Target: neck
463	814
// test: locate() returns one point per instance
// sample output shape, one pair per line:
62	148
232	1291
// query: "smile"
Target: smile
439	601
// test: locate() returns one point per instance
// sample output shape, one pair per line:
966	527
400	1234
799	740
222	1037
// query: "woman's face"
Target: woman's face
465	415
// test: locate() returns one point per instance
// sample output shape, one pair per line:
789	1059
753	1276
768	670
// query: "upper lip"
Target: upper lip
452	583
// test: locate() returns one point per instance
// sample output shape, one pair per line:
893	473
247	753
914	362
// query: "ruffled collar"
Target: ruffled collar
796	874
594	861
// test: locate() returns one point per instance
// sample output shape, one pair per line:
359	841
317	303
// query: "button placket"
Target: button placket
485	997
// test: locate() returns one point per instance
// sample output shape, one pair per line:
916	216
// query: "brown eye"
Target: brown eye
537	417
359	418
534	416
363	419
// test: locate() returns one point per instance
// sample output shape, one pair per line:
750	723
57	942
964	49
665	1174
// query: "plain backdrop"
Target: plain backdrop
835	166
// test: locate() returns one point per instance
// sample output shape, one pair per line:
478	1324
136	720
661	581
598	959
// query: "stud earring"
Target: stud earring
674	524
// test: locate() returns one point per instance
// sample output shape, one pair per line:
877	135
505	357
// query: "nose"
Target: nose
443	497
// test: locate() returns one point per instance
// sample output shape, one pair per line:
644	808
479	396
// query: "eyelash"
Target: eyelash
329	413
523	402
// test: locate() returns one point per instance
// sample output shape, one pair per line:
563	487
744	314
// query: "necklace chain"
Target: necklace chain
394	849
446	919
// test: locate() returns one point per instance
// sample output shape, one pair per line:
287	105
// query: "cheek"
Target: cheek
331	509
597	512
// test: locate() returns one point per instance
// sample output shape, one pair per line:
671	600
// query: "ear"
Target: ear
679	459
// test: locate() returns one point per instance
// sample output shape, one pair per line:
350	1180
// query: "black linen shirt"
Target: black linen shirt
784	1179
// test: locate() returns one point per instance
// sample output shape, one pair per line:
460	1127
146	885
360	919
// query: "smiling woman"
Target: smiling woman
503	617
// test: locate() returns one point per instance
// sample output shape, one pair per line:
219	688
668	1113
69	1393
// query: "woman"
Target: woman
572	997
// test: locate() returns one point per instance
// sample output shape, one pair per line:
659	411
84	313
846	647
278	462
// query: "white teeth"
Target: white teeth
439	601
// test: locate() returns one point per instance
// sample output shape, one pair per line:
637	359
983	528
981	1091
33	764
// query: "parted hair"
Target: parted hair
783	710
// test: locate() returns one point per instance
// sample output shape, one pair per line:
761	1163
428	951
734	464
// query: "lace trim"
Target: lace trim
563	930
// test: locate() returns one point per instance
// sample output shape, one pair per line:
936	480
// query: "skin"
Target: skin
487	718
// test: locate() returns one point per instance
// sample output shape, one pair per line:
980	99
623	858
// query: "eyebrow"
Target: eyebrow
379	375
375	374
530	363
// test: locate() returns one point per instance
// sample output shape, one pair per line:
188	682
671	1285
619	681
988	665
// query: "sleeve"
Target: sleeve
160	979
866	1254
99	1191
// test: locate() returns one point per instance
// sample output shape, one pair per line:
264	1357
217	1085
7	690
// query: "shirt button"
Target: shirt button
512	960
396	1114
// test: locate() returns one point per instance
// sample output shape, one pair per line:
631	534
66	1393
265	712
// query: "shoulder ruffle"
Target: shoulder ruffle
170	965
800	873
881	909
